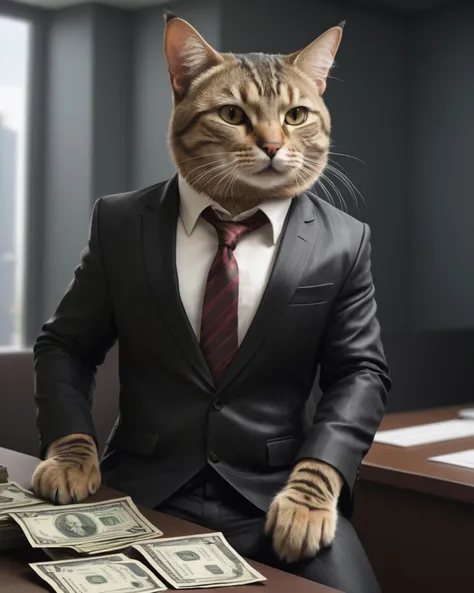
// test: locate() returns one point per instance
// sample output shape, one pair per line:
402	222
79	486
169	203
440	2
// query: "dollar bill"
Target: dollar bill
61	553
198	561
14	496
107	574
119	544
3	474
82	525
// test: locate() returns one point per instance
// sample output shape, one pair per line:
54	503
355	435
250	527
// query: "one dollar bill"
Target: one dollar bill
14	496
106	574
196	561
96	523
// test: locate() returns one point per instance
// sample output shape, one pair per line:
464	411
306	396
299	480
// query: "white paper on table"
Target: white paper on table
424	434
461	458
466	413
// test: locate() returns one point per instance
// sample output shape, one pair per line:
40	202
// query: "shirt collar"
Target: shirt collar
192	204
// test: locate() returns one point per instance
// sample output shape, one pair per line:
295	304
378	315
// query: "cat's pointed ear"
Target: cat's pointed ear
187	53
317	59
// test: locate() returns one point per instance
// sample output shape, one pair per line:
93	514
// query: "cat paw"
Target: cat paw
71	471
299	529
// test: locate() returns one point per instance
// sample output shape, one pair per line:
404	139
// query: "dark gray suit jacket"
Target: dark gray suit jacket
318	309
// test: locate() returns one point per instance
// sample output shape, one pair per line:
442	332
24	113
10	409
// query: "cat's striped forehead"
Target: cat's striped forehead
262	81
265	72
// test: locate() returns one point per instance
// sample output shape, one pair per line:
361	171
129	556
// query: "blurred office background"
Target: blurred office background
84	110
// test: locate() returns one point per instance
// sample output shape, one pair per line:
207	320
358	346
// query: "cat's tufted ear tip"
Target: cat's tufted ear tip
168	16
342	24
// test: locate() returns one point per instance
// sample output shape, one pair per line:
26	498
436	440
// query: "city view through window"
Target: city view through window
14	50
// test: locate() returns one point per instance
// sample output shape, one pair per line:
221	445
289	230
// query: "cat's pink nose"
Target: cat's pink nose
271	148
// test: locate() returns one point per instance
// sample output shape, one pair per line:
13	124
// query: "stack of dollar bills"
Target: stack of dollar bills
92	528
14	497
192	562
3	474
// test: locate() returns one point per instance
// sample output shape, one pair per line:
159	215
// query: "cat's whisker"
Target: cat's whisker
224	178
219	172
334	78
209	163
353	189
213	193
327	193
203	175
295	172
209	172
349	156
316	169
295	179
342	202
323	187
236	176
339	164
201	156
228	185
336	168
347	183
343	178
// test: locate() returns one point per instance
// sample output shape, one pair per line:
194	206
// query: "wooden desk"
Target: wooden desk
416	517
17	577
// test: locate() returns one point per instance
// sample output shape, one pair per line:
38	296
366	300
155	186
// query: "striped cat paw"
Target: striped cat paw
302	518
71	471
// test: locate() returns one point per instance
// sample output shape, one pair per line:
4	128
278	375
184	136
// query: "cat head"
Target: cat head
252	126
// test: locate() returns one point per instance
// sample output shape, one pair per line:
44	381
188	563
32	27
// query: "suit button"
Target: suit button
218	405
214	457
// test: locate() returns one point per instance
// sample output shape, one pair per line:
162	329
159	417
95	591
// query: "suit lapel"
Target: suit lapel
159	222
296	247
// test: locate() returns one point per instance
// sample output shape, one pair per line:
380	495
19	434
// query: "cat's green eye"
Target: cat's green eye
296	116
232	114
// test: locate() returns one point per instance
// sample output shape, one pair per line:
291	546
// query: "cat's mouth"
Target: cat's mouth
266	178
269	170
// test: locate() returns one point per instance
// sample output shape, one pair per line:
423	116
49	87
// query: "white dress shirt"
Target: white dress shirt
196	247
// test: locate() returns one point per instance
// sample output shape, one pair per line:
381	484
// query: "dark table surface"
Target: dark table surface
415	517
408	467
17	577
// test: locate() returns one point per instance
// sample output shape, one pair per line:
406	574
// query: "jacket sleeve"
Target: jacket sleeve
71	346
354	378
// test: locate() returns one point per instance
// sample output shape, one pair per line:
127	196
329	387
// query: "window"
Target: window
14	53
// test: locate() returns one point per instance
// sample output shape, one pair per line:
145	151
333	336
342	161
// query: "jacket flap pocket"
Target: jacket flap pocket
134	440
306	295
282	451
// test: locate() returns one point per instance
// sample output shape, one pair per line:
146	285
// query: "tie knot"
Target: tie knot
229	233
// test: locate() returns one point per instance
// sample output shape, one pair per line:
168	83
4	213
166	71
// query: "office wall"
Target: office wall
87	134
112	111
369	117
69	143
152	99
441	84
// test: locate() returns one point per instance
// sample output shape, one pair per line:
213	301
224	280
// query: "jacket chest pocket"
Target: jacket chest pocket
281	452
313	295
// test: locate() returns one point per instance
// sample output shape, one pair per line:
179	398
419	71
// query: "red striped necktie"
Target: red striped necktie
219	321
